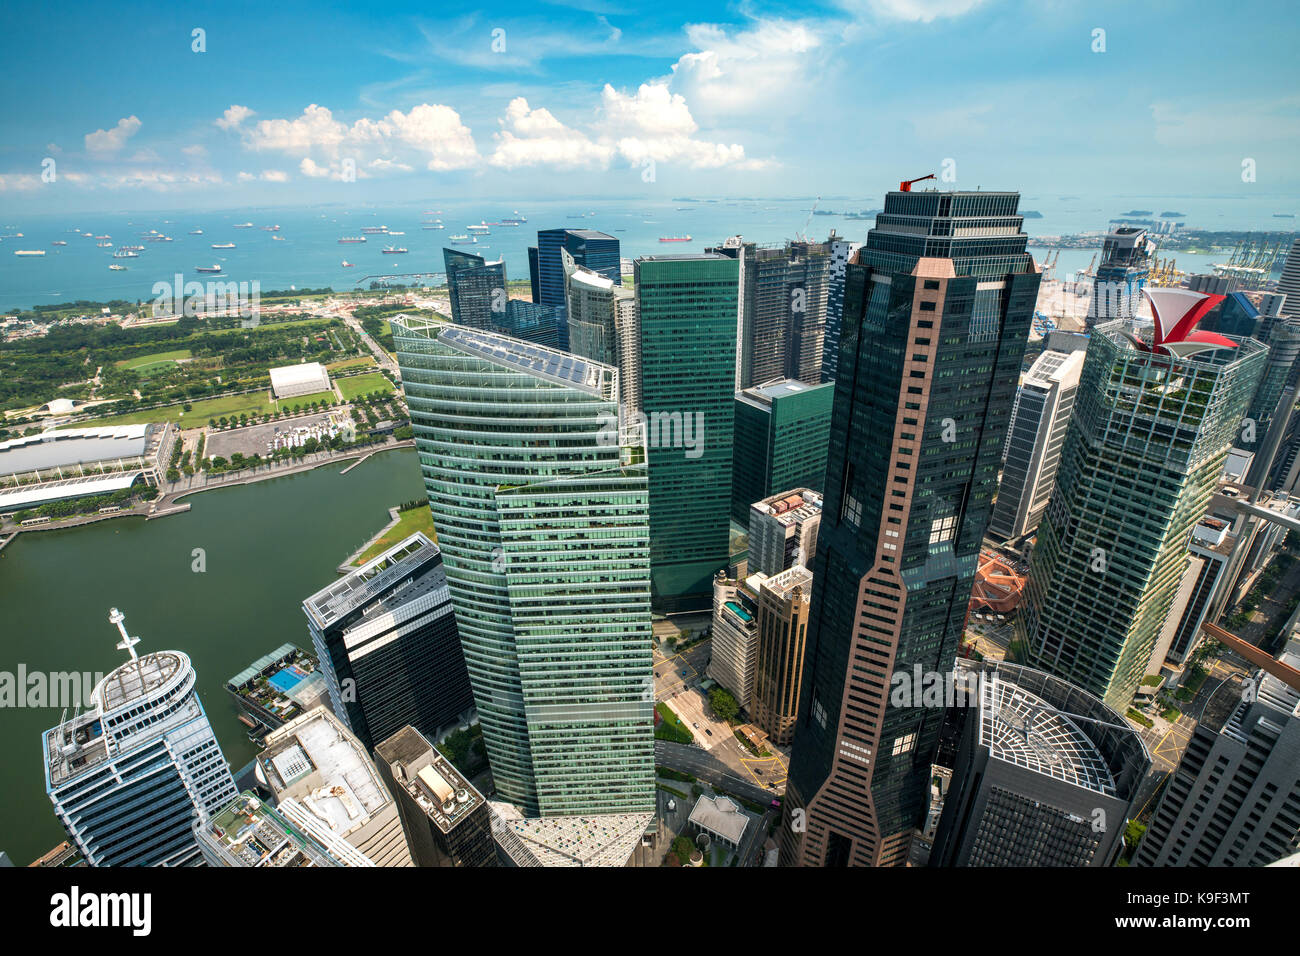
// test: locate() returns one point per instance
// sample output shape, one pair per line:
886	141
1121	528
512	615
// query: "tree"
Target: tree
723	704
173	474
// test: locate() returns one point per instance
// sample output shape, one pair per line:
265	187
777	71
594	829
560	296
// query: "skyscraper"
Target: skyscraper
594	250
1234	799
687	306
385	636
1148	441
1289	282
784	293
1045	775
782	433
841	251
539	498
783	603
325	784
937	308
783	530
1125	265
129	776
249	832
446	819
1034	443
476	289
733	653
602	321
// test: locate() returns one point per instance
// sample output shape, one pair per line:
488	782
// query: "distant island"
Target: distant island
1283	215
1031	214
1137	212
1172	215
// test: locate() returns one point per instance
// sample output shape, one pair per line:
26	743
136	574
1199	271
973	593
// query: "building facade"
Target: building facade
687	306
937	310
782	434
1148	441
445	818
1234	799
539	497
841	251
129	776
783	603
1122	275
783	531
385	636
603	326
733	660
1046	774
1034	443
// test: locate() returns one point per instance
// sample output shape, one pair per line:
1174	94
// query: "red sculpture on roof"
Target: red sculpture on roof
1177	313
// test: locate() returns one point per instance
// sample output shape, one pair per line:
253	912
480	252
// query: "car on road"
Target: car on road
707	731
696	726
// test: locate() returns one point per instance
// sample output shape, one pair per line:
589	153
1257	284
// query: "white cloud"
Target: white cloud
535	137
20	183
275	176
244	177
915	11
106	141
772	64
431	134
198	151
651	124
234	116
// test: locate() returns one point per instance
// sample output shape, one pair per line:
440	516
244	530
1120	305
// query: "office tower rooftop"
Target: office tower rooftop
783	605
937	309
279	686
734	648
325	784
603	325
249	832
128	775
783	530
1289	282
604	840
538	493
386	638
446	819
1046	774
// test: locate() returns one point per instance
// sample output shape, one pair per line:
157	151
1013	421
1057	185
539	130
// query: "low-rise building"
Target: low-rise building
292	381
721	818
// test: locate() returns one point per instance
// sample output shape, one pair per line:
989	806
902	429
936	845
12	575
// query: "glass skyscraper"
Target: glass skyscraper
937	308
1144	453
129	776
687	306
539	498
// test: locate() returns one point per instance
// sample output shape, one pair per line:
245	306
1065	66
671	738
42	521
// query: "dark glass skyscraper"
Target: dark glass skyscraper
937	308
475	286
594	250
687	307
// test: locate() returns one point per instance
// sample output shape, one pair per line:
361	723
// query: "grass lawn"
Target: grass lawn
408	522
363	385
671	726
351	363
198	414
157	358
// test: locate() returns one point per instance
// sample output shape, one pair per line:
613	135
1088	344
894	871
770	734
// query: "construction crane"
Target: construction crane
803	234
906	187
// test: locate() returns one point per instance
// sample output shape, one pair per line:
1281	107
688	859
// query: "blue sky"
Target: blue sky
633	98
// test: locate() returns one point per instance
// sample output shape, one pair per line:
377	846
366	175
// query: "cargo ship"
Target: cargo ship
278	238
481	228
391	233
674	238
243	225
373	230
117	268
104	245
394	250
211	268
460	240
515	220
223	245
196	232
29	252
348	239
59	242
126	254
271	228
132	248
348	265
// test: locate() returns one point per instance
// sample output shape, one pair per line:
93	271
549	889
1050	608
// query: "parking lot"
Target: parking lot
255	439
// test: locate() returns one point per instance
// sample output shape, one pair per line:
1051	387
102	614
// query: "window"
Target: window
942	529
904	743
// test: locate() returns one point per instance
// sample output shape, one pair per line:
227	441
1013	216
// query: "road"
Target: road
707	767
383	358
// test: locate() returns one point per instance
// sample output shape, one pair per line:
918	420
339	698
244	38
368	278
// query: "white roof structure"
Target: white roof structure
303	379
601	840
721	816
66	447
30	496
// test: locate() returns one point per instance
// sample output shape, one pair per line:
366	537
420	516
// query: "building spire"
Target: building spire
127	643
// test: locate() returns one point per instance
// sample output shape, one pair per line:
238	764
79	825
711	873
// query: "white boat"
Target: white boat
117	268
29	252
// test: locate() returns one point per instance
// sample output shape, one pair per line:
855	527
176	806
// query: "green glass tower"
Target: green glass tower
782	432
540	503
688	314
1145	450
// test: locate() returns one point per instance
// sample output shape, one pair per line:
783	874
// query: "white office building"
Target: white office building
291	381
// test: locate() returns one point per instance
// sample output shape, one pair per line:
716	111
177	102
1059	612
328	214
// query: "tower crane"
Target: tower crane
906	186
803	234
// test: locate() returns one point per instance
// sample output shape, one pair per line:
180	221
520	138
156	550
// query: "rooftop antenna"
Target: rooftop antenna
127	643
